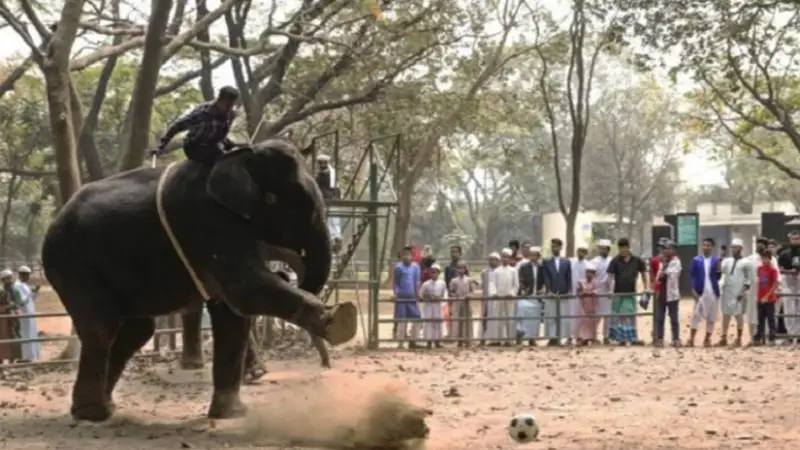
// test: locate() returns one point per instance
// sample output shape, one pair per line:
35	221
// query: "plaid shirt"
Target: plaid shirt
206	124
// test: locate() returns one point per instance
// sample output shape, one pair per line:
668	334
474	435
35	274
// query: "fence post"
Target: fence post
558	318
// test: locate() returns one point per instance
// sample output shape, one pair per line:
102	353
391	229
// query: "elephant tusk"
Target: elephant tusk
269	252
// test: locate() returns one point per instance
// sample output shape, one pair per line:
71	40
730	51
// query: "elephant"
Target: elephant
157	241
192	352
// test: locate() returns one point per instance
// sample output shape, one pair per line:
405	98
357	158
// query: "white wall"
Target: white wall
554	226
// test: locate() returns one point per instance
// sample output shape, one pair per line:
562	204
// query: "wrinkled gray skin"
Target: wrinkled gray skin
114	268
192	354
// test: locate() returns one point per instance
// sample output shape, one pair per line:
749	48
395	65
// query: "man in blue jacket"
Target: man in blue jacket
704	275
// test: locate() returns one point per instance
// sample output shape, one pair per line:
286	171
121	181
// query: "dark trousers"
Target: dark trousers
663	307
203	152
766	313
781	321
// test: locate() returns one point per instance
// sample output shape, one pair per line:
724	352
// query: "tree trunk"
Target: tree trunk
206	83
55	66
145	89
570	219
13	185
401	222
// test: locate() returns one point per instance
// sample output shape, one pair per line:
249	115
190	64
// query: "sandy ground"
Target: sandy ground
597	398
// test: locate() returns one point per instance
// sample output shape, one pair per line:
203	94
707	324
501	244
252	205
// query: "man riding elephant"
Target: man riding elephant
151	242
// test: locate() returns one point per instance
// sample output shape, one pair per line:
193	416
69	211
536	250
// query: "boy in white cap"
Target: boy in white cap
600	263
433	293
737	273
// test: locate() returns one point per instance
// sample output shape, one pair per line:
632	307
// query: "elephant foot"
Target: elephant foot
341	323
192	363
326	364
226	406
92	412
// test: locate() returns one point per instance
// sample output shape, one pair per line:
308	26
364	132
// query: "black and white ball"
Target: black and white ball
523	428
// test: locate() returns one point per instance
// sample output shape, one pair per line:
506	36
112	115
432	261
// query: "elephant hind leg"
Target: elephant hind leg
192	353
132	335
90	395
231	334
322	349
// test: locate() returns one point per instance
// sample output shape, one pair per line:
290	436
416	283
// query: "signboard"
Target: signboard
687	229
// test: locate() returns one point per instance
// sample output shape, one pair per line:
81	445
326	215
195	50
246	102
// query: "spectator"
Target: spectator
558	281
427	267
450	272
326	181
625	270
586	290
461	309
738	273
655	264
29	326
406	286
751	307
516	256
767	287
529	308
489	288
14	304
668	298
433	293
9	327
416	255
503	327
704	275
789	263
600	263
573	305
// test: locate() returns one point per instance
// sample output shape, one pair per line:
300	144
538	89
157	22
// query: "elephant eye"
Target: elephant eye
270	198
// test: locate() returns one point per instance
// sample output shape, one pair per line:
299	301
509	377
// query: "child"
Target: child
461	287
587	294
433	292
767	285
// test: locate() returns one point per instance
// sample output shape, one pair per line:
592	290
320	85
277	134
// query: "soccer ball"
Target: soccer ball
523	428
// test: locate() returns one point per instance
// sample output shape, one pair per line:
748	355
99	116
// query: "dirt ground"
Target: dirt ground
597	398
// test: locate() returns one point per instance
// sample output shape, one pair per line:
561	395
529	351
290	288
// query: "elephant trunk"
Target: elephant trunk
317	256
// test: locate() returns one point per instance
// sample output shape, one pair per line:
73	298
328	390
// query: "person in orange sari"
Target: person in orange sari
587	295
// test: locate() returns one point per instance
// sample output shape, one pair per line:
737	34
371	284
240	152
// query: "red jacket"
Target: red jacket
655	264
767	279
416	255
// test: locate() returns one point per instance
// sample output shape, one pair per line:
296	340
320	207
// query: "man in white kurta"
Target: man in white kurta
600	263
737	275
503	329
489	288
578	264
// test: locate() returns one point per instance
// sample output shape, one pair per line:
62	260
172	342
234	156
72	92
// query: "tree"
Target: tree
633	154
565	86
743	55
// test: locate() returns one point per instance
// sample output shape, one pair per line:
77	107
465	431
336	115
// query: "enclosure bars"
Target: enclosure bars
558	317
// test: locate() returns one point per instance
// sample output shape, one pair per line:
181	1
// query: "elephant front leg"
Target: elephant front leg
192	354
231	332
252	290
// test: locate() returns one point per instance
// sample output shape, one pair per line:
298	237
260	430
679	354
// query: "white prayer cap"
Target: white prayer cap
323	158
737	242
494	255
589	267
536	249
507	252
24	269
6	273
603	243
436	267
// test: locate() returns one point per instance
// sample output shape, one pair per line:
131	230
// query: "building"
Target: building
719	221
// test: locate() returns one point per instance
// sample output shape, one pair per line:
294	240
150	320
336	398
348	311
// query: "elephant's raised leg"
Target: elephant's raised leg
192	354
97	332
132	335
231	333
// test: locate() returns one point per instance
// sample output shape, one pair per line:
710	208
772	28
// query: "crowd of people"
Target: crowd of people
576	300
18	300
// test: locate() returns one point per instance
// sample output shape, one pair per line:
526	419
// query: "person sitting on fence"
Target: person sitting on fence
586	290
28	325
461	310
433	294
406	286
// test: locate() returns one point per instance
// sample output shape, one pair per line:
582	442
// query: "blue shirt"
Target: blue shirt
406	281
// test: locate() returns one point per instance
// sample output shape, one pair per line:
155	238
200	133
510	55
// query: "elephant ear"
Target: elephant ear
231	184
